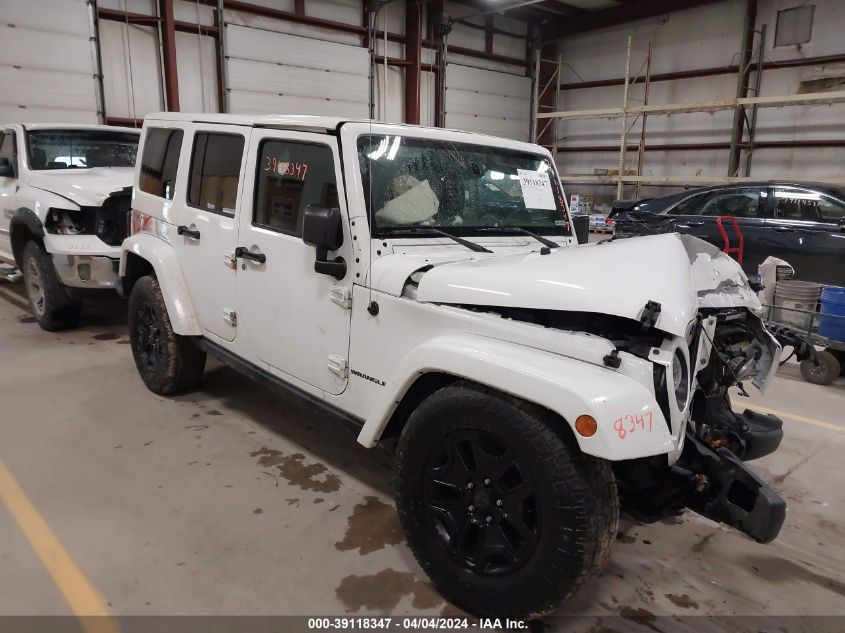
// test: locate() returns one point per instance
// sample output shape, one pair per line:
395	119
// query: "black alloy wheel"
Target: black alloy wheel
482	505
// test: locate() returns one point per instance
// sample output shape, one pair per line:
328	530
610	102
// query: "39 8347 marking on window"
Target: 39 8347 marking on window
285	168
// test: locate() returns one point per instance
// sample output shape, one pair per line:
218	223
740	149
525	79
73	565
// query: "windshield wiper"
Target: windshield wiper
518	229
478	248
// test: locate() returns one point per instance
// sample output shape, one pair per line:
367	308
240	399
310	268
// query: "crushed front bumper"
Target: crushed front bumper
87	271
717	485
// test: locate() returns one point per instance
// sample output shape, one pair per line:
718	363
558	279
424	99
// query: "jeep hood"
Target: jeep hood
680	273
84	187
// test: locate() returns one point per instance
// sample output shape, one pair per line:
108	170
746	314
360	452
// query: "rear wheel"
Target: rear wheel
499	506
51	305
168	363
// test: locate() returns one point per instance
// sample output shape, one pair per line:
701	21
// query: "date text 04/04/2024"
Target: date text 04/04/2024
416	623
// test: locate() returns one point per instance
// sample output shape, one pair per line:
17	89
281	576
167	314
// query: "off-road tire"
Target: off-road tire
576	501
51	305
825	372
167	362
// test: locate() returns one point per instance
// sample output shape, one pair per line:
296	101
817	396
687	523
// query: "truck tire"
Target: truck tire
168	363
51	305
500	507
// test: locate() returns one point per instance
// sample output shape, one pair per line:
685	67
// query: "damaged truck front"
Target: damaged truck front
66	195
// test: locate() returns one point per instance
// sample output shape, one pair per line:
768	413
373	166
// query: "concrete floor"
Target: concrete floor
233	500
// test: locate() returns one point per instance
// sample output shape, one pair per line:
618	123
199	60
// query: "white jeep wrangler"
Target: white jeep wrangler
424	284
65	192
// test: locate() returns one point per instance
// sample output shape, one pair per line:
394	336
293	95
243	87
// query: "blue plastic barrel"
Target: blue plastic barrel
833	303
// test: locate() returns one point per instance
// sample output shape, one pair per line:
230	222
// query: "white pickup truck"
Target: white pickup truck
425	285
65	192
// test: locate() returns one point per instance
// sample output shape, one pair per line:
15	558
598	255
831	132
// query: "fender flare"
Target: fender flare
160	255
563	385
22	220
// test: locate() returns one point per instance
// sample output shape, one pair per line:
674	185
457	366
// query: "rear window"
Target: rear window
160	161
215	172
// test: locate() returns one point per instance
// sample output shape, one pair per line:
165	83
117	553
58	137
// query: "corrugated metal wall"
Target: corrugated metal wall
276	72
702	37
487	96
487	101
272	65
46	62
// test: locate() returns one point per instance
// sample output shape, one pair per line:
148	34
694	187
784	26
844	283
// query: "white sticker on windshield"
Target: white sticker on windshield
536	189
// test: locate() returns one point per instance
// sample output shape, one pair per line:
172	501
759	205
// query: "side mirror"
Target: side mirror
323	227
6	168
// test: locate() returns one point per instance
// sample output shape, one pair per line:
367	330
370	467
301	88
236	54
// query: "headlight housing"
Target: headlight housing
680	378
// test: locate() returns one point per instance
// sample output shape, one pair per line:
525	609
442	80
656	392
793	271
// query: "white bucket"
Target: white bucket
796	295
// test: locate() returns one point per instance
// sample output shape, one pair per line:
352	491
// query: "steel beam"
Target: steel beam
678	181
815	98
413	55
718	146
711	71
168	46
746	51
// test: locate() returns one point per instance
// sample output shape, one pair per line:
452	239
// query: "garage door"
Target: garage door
277	73
46	62
487	101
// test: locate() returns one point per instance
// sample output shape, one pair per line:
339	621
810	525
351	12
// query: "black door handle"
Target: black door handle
184	230
244	253
695	223
783	229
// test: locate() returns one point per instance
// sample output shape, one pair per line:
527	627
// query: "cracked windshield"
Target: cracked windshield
416	185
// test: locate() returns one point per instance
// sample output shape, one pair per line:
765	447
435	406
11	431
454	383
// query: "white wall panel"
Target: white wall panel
147	7
280	48
46	62
194	12
131	69
346	11
281	26
258	103
275	72
489	102
197	71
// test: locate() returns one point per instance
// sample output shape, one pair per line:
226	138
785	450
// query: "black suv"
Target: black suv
803	223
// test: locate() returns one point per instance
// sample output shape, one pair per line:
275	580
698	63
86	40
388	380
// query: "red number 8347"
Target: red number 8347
627	424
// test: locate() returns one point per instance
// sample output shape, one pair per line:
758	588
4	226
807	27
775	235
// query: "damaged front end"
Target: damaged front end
710	476
674	302
85	242
108	222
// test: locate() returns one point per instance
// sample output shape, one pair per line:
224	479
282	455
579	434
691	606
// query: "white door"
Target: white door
8	187
204	203
286	312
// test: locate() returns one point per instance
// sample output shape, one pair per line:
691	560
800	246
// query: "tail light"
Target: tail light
139	222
